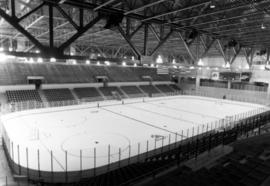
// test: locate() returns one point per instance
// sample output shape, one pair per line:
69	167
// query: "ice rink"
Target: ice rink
68	138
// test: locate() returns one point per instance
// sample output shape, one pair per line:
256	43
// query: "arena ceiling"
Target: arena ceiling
187	29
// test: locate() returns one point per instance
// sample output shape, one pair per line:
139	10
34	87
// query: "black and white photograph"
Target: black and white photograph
134	93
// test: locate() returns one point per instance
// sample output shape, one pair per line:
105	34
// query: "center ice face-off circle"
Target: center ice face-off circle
86	142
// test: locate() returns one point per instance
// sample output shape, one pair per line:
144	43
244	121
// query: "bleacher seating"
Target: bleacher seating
149	89
108	92
88	93
165	88
132	91
16	73
176	88
53	95
23	96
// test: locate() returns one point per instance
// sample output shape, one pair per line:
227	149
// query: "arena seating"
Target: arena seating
176	88
108	92
17	73
243	167
149	89
88	93
53	95
23	96
132	91
165	88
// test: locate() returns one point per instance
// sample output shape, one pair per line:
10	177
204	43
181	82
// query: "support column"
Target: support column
268	90
197	82
229	84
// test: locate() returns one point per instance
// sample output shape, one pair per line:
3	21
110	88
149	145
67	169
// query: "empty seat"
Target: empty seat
58	94
23	96
90	93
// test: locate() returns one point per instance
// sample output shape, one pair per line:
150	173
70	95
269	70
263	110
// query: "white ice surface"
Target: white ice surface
77	130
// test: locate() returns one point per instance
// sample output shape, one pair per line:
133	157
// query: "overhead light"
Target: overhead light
62	1
135	65
40	60
212	4
200	62
159	59
3	57
124	63
52	60
227	65
87	62
98	63
107	63
31	60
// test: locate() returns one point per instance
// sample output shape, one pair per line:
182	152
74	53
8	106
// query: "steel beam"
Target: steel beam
80	32
222	51
51	21
134	49
81	17
160	44
31	12
186	47
145	39
135	31
217	12
220	20
104	4
207	47
176	11
154	32
13	8
14	22
144	6
65	15
236	52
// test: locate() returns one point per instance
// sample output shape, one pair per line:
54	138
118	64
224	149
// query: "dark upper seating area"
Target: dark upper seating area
53	95
131	90
16	73
89	92
149	89
165	88
23	96
173	86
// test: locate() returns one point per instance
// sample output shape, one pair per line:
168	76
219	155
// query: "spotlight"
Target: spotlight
52	60
212	4
40	60
107	63
200	62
